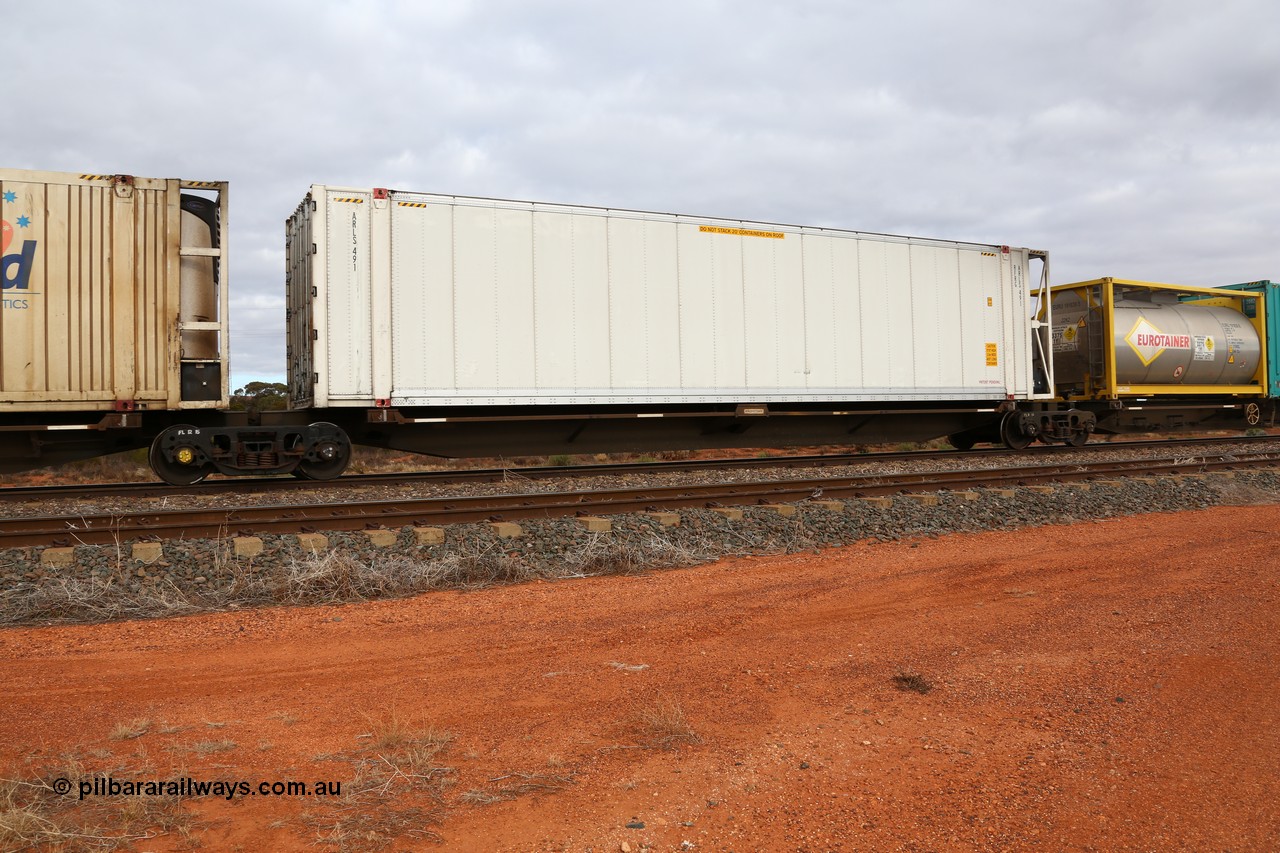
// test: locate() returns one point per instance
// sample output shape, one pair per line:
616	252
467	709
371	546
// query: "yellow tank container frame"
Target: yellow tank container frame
1116	338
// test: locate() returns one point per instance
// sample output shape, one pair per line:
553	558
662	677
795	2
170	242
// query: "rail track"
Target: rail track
242	485
358	515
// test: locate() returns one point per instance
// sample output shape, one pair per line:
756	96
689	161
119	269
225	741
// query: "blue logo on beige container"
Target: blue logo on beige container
15	267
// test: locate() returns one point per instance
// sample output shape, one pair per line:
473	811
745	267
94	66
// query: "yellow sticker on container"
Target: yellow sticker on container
989	302
992	359
741	232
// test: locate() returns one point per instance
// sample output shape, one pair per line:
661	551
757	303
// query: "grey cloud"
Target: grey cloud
1135	139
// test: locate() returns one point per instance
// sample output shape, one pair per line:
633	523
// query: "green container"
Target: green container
1271	305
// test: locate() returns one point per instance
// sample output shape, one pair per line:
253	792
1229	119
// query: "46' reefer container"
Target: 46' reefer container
419	300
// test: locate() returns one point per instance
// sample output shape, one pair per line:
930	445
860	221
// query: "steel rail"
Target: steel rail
217	523
91	491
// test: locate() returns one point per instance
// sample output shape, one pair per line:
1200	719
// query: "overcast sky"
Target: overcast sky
1131	139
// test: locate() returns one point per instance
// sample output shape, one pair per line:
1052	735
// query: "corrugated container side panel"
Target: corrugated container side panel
697	314
988	273
48	332
629	286
927	335
761	320
793	336
731	365
947	301
972	312
819	314
591	319
152	307
876	332
662	299
94	279
475	298
513	273
728	301
898	285
101	225
853	367
64	206
422	298
60	296
15	321
1271	306
493	298
644	340
348	297
760	313
146	307
555	302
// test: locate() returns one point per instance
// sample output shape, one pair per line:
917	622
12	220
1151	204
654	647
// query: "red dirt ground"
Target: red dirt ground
1103	686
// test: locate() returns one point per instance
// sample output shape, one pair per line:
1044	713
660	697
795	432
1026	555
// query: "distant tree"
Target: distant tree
260	397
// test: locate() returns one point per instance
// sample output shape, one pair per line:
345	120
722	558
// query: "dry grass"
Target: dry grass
1235	493
131	730
208	747
402	760
34	816
509	786
336	577
912	682
523	784
396	731
661	724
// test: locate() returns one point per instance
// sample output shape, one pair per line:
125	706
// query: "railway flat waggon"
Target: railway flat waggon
470	326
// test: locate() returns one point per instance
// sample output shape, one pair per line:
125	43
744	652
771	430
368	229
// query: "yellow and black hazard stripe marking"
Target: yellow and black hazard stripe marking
412	203
351	199
988	254
741	232
202	184
97	177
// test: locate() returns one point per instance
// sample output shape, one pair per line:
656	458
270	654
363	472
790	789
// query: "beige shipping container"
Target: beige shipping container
114	293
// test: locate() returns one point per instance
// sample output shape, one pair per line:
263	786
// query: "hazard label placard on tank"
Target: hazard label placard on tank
1148	342
1204	347
1066	338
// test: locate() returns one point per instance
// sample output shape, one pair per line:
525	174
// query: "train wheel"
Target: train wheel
329	458
1011	434
174	461
960	441
1078	439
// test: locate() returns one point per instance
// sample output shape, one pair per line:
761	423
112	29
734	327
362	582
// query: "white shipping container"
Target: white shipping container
414	299
114	293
